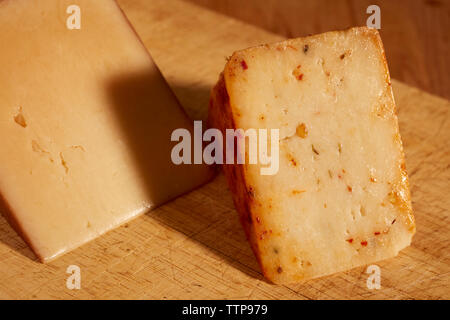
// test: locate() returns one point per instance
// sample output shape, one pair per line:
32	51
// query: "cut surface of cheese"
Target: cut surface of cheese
340	198
85	124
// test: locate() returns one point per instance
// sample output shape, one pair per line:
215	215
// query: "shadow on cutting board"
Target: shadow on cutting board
10	231
10	238
206	215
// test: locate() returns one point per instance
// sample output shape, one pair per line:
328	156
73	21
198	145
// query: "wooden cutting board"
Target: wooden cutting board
194	247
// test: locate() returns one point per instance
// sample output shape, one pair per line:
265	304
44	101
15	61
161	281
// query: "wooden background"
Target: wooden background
194	247
415	32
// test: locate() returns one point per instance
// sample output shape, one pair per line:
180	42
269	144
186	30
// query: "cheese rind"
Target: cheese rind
86	121
340	198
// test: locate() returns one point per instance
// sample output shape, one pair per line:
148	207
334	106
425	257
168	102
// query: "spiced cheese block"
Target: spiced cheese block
85	124
340	198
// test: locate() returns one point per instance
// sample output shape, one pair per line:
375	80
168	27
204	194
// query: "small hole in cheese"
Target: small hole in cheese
20	119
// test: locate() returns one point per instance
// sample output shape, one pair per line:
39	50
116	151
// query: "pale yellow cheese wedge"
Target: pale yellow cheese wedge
85	124
340	198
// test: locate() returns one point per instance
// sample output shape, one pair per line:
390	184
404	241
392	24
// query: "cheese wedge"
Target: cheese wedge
85	124
340	198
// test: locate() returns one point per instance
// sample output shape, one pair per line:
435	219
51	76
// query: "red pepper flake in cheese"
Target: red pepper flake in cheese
251	192
364	243
244	65
297	73
263	234
349	189
350	240
377	233
292	160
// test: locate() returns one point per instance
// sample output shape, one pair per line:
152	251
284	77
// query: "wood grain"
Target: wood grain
415	32
194	247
